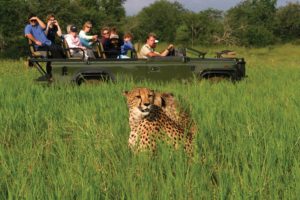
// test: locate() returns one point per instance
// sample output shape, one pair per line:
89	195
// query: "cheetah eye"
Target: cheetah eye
150	95
138	96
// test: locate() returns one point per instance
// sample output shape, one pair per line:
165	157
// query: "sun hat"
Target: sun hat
113	36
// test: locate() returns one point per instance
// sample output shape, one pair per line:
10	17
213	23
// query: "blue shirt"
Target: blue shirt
38	33
85	43
125	47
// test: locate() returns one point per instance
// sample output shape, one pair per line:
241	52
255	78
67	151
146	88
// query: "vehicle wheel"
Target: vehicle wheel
93	78
216	77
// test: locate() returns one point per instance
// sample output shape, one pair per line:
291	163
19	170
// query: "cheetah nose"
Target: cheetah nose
146	104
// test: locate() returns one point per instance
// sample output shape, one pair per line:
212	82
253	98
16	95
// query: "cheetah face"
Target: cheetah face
140	100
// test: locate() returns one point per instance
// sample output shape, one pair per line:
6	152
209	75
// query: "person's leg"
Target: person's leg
56	51
49	69
90	53
48	64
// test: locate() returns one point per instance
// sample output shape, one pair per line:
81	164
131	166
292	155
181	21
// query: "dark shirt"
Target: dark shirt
114	49
52	33
105	43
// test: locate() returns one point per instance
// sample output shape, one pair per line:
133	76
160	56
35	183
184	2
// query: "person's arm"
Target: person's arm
84	42
30	36
83	35
154	54
41	23
130	46
164	52
59	32
167	50
47	29
146	52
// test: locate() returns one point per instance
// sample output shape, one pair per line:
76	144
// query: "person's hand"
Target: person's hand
49	23
83	48
95	37
33	18
170	47
55	22
38	43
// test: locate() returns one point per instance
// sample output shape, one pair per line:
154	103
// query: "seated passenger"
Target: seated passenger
35	32
52	28
114	45
148	49
87	40
73	41
69	28
105	34
127	45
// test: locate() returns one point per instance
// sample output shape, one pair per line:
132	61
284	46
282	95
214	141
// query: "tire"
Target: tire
93	77
216	76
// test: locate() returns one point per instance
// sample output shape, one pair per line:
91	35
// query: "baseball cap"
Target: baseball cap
73	28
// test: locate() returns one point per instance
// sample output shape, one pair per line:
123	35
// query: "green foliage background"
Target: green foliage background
249	23
69	142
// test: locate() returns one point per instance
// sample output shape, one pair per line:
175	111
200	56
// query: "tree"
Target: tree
288	22
252	22
199	28
13	18
161	17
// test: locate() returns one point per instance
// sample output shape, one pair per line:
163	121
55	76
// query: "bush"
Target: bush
259	36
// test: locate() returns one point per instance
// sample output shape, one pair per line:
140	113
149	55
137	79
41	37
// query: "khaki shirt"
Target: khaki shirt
145	50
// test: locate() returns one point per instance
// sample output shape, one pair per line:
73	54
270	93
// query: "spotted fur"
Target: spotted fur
173	110
149	122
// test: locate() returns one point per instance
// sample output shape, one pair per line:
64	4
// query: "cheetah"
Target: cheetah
148	122
172	109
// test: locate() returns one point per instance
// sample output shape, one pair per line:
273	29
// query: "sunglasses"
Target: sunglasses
105	33
33	20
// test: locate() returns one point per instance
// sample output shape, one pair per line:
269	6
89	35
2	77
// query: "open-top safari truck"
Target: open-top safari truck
180	67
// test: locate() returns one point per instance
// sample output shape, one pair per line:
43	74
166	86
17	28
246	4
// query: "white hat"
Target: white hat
114	36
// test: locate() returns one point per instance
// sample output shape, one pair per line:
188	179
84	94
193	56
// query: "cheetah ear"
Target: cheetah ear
163	102
168	94
125	93
158	99
163	99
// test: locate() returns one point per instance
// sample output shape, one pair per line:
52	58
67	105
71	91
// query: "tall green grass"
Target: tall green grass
66	142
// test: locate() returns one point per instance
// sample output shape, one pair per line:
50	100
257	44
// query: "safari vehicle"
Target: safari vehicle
180	67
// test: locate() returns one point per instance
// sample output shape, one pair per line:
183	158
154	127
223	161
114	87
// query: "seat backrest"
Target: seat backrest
34	53
100	50
68	53
137	47
66	48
